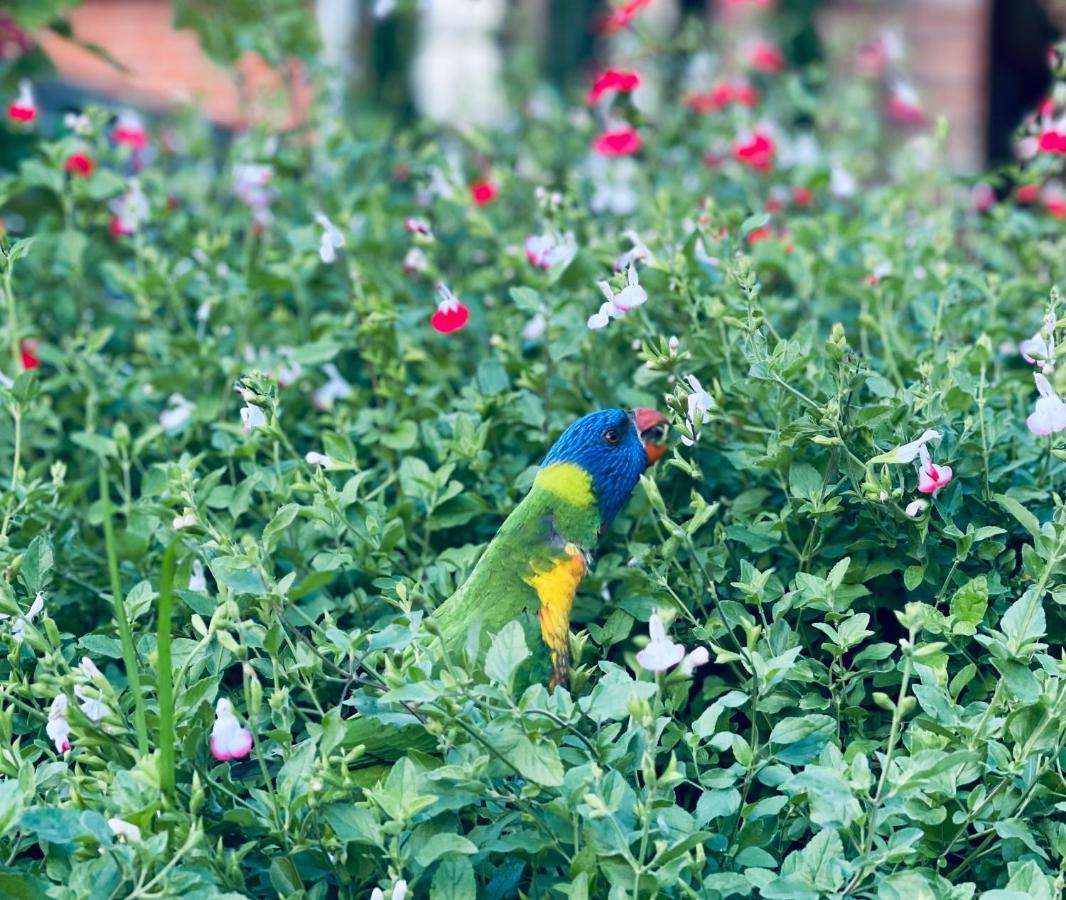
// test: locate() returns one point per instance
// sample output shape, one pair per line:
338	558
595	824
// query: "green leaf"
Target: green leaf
832	802
238	574
35	573
506	653
353	824
453	880
1025	518
801	738
968	605
63	825
278	525
442	845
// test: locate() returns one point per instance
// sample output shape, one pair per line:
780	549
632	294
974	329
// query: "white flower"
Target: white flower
177	414
129	832
700	404
606	312
908	452
18	629
79	123
616	305
674	344
93	707
1049	414
548	250
639	252
415	261
842	183
318	459
252	417
534	329
332	239
384	8
399	891
228	739
188	520
694	659
197	578
58	728
661	653
1040	349
89	669
916	507
337	388
250	184
130	210
287	374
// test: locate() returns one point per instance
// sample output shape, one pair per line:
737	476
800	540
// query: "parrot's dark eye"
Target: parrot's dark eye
611	436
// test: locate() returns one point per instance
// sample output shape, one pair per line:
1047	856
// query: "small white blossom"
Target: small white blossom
197	578
332	239
318	459
58	728
337	388
176	414
188	520
252	417
661	653
129	832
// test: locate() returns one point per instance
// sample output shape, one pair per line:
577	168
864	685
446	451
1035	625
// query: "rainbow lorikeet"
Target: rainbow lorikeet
531	570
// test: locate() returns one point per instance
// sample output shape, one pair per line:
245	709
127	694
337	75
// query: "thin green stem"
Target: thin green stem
129	652
164	676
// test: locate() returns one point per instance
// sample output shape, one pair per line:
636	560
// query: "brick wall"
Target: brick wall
166	66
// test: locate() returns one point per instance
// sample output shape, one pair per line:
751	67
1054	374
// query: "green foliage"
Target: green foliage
884	711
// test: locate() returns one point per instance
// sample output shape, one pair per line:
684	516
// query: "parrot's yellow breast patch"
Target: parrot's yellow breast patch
556	586
568	481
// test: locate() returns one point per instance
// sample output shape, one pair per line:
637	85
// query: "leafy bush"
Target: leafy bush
884	709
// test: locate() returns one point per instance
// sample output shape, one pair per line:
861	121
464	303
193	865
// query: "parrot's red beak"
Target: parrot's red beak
651	425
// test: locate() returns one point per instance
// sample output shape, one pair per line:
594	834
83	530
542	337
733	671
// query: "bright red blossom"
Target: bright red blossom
613	80
79	163
760	234
451	315
1027	193
620	17
17	112
722	95
802	196
765	57
483	192
757	152
621	142
28	351
1052	141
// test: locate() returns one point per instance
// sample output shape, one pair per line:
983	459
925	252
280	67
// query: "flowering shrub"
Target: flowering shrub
251	438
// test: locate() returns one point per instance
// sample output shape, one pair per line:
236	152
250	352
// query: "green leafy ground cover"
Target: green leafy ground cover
884	708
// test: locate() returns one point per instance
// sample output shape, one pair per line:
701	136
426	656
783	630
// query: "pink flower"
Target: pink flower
612	81
931	478
1049	414
58	728
128	211
903	105
802	196
984	196
1054	200
617	305
765	57
28	352
1052	140
129	130
546	250
694	659
724	94
419	227
23	109
483	192
415	261
873	57
451	315
620	16
228	739
620	142
756	151
661	653
1027	193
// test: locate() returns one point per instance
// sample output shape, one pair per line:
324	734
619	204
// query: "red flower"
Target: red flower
117	228
620	17
722	95
621	142
451	315
904	107
756	152
483	192
129	131
79	163
774	205
760	234
1052	141
1027	193
765	57
613	80
1056	205
23	109
28	350
802	196
984	197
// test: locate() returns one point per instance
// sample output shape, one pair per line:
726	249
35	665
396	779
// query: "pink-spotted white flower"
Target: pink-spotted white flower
907	453
418	227
931	477
332	239
1049	414
58	728
548	250
694	659
1040	348
639	252
228	739
129	211
130	130
415	261
661	653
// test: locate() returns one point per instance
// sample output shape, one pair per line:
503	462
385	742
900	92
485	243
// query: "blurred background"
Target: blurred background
980	63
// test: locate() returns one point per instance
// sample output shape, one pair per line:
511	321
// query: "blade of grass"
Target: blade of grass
129	652
164	675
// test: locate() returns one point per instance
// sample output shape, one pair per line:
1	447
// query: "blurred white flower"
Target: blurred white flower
177	414
700	404
318	459
336	388
18	629
661	653
58	728
197	578
332	239
252	417
188	520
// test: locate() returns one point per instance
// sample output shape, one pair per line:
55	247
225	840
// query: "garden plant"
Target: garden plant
266	401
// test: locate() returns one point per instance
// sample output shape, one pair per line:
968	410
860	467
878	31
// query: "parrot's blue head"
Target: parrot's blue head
614	446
